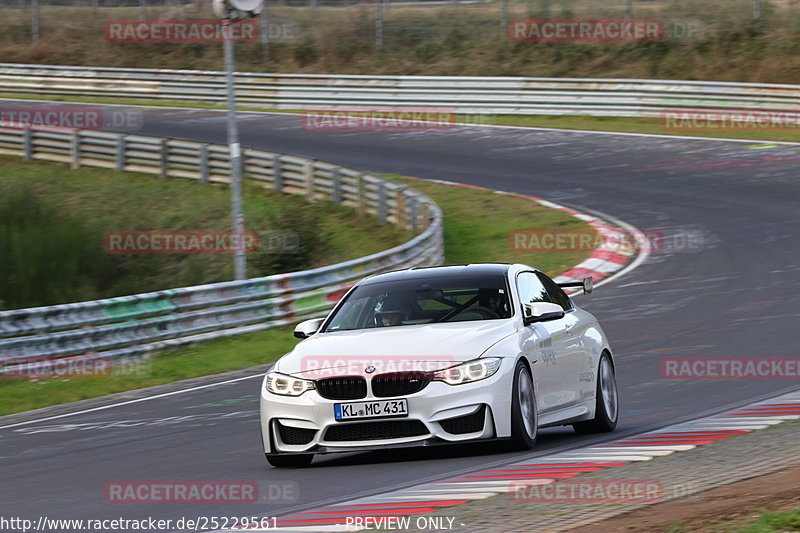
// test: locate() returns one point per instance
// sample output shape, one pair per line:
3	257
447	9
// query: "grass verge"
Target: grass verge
765	522
477	224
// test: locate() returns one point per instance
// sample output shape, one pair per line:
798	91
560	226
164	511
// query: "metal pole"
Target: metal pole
142	10
757	9
35	20
629	9
504	15
239	258
378	23
263	23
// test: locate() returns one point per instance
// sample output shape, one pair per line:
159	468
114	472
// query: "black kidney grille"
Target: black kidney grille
296	436
465	424
387	429
345	388
399	383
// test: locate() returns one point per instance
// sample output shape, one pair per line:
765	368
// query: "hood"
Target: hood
393	349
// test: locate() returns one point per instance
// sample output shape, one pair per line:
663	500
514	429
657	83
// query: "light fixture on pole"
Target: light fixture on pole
230	10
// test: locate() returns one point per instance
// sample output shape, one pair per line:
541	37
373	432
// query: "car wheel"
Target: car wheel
524	414
607	406
280	460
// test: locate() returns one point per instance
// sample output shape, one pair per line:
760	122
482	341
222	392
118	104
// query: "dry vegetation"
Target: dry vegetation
442	40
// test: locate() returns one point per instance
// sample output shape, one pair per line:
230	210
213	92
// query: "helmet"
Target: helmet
381	314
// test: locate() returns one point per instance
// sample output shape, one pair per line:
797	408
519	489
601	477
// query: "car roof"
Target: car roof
475	269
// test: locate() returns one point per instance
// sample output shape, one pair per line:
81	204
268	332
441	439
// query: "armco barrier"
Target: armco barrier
131	326
507	95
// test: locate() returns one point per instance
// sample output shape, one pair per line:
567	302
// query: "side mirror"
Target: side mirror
304	330
541	312
586	284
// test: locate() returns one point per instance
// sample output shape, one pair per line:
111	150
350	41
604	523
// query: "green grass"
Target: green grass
53	221
638	125
477	224
767	522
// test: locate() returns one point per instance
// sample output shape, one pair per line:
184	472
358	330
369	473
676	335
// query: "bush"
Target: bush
48	255
305	229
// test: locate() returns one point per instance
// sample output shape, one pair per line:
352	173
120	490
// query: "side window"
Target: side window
556	294
531	289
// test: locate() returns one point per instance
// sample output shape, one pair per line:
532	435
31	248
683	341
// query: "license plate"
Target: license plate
375	409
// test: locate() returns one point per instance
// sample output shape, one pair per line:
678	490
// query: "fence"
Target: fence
128	327
467	95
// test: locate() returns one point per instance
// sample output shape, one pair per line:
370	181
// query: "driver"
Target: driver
493	300
389	317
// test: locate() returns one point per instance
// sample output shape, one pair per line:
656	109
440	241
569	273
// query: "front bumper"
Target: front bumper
440	413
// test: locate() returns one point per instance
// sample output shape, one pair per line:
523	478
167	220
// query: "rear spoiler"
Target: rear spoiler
587	284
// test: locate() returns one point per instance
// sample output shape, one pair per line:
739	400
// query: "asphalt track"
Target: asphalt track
733	296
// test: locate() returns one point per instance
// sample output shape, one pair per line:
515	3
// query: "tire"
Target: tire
280	460
524	414
607	402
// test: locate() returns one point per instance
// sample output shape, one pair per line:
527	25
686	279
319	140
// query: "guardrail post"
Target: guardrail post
413	204
277	176
75	150
164	152
336	178
382	204
27	144
308	171
400	207
360	194
425	218
121	147
204	163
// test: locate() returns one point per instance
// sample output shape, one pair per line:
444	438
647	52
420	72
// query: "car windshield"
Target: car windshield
423	301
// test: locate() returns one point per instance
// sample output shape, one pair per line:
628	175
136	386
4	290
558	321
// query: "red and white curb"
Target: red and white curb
610	257
621	244
431	497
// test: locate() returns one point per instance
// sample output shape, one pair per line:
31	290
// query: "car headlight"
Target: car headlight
468	372
287	385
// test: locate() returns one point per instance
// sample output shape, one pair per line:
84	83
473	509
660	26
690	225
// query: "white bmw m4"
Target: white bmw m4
440	355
